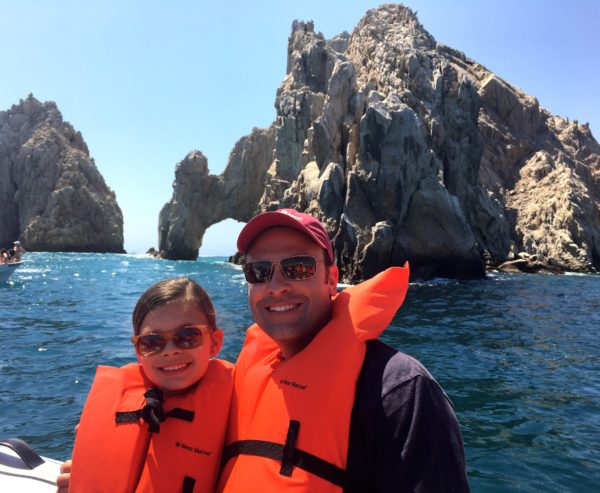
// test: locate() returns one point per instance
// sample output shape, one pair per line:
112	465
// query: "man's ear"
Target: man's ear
332	279
216	341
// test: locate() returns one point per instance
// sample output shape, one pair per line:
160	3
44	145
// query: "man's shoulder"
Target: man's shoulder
390	367
404	435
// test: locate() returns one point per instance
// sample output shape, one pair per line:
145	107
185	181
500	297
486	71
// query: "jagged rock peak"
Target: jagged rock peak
340	42
52	197
391	51
303	26
394	24
35	113
306	52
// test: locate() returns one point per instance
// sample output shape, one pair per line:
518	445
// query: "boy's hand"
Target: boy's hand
62	481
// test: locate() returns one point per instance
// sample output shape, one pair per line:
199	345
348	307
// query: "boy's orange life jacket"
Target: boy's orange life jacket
290	419
115	451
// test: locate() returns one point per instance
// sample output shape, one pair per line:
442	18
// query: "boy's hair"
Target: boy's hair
179	289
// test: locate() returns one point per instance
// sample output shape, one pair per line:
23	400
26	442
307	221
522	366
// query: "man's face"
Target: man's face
291	312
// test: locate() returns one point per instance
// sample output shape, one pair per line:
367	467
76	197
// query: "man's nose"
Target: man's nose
278	283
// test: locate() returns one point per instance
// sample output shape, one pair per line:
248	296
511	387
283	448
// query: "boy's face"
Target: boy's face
173	368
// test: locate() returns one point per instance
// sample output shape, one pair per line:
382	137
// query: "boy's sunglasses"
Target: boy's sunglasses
187	337
293	268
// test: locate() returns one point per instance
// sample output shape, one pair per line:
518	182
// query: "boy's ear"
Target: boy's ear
139	358
216	341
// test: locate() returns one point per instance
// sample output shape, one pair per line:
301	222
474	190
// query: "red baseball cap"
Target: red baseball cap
290	218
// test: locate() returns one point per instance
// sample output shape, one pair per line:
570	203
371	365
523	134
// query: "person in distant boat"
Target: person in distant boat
319	404
19	251
4	256
157	425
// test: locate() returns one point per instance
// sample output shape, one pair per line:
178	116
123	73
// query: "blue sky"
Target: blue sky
148	81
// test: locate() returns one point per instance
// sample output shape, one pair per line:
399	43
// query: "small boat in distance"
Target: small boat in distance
6	270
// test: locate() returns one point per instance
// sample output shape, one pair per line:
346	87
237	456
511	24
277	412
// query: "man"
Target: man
376	421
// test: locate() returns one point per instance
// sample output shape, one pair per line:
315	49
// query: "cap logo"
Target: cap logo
289	212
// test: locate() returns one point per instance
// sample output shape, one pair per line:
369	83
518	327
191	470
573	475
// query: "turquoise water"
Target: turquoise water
518	355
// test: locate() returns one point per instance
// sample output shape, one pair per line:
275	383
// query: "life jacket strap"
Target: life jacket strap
181	414
152	413
288	455
133	416
188	485
287	459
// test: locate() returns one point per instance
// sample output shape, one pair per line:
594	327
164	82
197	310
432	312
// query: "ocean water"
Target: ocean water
519	356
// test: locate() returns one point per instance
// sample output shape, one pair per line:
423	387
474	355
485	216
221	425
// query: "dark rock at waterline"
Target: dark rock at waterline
406	150
237	258
52	196
530	265
153	252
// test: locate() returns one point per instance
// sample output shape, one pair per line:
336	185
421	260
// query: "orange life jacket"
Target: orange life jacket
115	451
290	419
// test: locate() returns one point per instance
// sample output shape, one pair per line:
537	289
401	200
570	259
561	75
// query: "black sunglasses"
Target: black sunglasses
293	268
188	337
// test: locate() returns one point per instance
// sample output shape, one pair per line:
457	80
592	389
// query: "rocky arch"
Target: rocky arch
201	199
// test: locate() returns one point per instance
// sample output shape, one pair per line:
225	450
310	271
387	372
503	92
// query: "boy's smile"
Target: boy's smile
174	368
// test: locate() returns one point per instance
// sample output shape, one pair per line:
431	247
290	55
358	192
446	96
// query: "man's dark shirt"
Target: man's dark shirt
404	436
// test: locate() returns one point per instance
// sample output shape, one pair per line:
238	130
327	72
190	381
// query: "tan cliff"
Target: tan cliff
407	150
52	196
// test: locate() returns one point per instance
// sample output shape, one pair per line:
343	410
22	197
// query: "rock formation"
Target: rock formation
201	200
406	150
52	197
